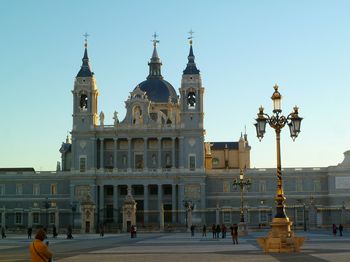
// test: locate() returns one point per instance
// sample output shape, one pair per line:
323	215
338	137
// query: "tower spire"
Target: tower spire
85	70
155	63
191	68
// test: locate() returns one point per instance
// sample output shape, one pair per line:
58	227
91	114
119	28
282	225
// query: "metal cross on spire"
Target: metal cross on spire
86	35
155	41
191	36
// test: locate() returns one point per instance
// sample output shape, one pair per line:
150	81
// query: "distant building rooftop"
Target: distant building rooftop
17	169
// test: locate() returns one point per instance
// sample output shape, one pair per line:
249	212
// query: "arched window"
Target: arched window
191	99
83	102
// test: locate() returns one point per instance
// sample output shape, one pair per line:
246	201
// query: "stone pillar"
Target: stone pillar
159	153
160	197
3	218
57	219
161	218
102	161
173	153
145	142
217	214
93	160
101	204
115	155
115	203
145	203
181	154
129	154
203	203
180	202
173	202
71	192
30	218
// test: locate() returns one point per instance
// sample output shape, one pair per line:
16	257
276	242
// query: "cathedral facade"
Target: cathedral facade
158	155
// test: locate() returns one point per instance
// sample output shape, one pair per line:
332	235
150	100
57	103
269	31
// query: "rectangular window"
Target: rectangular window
82	164
2	190
36	189
317	186
52	218
18	218
19	189
262	186
36	219
299	185
192	163
53	189
227	217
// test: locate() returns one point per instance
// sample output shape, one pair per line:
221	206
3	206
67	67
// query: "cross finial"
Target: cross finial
155	41
86	35
191	36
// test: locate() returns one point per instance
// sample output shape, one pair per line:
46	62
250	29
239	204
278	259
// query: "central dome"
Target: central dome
158	90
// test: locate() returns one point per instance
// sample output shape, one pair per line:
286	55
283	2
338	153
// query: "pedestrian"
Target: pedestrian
3	234
223	231
334	229
54	231
192	230
204	231
135	230
132	231
102	230
213	230
69	232
341	230
29	232
39	251
218	229
235	234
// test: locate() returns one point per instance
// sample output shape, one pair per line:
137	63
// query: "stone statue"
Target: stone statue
102	118
137	116
115	117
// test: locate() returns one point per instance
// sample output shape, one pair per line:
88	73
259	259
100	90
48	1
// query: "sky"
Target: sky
243	48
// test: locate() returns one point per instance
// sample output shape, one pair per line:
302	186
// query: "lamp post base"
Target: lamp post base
281	238
242	229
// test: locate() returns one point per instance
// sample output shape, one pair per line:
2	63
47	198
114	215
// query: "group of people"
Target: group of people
217	229
335	229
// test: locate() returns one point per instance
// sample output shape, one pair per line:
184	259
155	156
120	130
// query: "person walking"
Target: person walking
235	234
39	251
54	231
204	231
341	230
334	229
223	231
3	234
218	229
192	230
29	232
213	230
69	232
102	230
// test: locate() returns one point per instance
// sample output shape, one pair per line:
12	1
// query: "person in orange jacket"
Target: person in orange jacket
39	251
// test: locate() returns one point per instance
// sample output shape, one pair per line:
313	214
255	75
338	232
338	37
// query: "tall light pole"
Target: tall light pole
281	226
242	183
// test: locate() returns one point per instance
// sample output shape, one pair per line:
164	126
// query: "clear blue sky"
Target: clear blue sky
242	49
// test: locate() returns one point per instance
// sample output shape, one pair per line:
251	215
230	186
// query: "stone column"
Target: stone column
30	218
159	153
57	219
93	160
161	218
3	218
180	203
173	153
173	202
129	154
160	198
203	203
217	214
102	161
115	155
145	203
145	142
181	154
101	204
115	203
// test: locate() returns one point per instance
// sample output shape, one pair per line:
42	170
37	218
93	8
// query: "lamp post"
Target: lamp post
280	224
242	183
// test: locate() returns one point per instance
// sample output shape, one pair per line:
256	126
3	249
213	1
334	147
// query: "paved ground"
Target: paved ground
178	247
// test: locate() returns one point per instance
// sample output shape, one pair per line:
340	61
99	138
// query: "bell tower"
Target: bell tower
85	95
191	114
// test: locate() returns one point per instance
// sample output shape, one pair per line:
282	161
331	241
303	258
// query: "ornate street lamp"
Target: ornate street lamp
242	183
280	226
277	121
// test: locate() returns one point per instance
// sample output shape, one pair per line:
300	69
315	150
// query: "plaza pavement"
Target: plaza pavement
177	247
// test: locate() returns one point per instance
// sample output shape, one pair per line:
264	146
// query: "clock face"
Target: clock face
191	99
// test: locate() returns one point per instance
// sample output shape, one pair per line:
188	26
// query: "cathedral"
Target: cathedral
155	167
